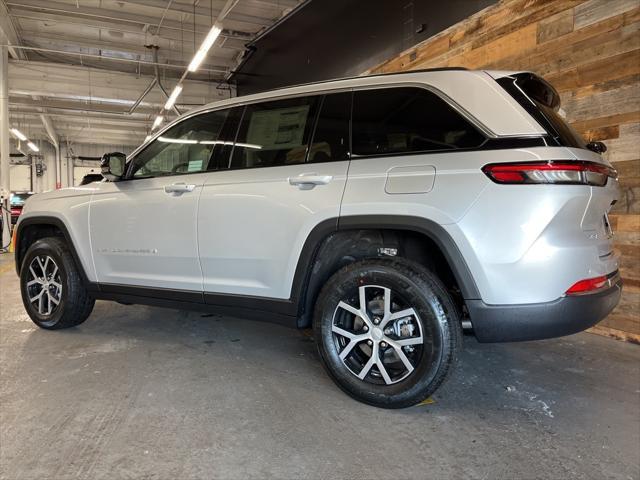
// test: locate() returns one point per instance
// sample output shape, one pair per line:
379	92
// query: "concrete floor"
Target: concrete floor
140	392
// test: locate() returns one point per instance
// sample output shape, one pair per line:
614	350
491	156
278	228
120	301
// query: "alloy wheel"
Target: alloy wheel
44	285
381	340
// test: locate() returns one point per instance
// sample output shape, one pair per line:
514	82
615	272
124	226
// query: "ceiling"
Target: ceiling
77	67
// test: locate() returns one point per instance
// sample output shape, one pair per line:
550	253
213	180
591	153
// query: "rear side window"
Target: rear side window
542	102
274	133
408	120
330	141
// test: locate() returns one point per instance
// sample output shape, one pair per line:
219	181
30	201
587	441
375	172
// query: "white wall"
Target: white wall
47	156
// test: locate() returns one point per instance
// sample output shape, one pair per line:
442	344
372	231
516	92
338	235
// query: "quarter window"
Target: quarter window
184	148
408	120
274	133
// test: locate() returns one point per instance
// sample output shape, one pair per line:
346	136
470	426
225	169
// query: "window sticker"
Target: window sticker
194	166
278	129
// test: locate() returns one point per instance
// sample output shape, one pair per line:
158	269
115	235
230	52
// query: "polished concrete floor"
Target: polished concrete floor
138	392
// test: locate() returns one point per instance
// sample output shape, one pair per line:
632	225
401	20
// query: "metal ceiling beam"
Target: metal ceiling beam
8	32
118	59
119	17
221	56
204	13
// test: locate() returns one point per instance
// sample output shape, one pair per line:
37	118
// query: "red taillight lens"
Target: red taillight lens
588	285
563	172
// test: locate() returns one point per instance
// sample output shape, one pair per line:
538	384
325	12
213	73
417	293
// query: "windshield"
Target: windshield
542	102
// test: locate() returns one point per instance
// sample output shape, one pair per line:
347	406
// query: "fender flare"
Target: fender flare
44	220
429	228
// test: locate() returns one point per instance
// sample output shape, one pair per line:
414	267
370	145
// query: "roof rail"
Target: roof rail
424	70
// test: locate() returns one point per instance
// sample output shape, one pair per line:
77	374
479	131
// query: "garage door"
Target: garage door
20	178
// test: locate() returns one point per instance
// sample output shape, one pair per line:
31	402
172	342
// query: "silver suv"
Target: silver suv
385	211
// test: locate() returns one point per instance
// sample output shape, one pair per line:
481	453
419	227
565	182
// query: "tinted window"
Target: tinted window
404	120
331	137
542	102
184	148
274	133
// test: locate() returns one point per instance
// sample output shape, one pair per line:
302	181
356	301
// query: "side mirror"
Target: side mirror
597	147
112	166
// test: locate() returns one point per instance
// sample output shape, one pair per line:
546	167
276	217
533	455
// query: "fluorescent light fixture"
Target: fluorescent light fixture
177	140
173	97
33	147
237	144
204	48
18	134
146	139
157	122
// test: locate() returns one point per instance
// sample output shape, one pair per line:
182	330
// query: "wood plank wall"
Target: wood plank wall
590	51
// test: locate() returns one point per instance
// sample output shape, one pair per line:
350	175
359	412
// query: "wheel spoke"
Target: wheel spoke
58	286
36	277
343	332
363	300
387	303
36	297
44	273
408	312
55	270
49	306
347	350
53	299
383	372
403	358
410	341
33	282
350	309
365	370
40	303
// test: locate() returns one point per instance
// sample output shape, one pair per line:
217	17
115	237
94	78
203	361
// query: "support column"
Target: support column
4	144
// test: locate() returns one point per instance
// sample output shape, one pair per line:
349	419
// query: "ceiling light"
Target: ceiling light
204	48
157	122
176	140
173	97
33	147
17	133
146	139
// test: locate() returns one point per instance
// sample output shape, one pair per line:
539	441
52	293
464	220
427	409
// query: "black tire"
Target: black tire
439	323
75	303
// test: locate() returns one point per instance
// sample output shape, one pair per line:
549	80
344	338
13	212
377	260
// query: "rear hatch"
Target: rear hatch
538	98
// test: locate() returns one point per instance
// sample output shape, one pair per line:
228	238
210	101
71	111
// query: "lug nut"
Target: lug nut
376	320
383	344
369	342
365	328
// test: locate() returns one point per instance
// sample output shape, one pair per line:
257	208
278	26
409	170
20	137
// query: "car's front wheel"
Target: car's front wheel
387	331
52	290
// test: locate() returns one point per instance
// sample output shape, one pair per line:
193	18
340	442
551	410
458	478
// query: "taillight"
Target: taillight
595	284
560	172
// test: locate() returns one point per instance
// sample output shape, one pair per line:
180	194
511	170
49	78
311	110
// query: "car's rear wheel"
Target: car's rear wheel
387	331
52	290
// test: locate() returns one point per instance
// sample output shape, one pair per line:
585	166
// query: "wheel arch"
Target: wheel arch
338	242
32	229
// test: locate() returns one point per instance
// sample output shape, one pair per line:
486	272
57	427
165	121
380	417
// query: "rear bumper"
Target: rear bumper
564	316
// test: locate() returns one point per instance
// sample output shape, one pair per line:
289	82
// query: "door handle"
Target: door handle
307	182
179	188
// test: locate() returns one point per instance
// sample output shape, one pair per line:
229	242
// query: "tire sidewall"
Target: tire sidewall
435	313
39	248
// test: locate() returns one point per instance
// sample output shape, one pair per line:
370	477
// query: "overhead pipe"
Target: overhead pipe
157	72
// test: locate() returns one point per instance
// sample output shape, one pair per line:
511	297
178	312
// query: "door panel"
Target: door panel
142	235
143	230
253	223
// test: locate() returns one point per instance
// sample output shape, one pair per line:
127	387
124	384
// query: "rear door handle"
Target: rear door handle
307	182
179	188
